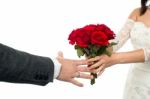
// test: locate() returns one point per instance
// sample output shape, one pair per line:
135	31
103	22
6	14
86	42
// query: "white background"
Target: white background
42	27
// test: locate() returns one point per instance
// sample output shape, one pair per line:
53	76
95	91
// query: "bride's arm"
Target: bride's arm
121	38
127	57
136	56
124	34
141	55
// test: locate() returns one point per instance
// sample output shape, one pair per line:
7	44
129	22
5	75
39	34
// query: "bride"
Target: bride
136	28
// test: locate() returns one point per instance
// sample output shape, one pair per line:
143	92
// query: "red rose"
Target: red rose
90	27
80	37
100	27
99	38
72	37
108	32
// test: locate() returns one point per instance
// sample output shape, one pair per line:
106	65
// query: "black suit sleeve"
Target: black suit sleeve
21	67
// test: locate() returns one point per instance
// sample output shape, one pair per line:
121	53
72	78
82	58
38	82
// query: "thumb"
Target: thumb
60	56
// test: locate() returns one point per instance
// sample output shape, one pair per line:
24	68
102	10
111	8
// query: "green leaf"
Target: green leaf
77	47
80	52
101	50
93	55
112	44
108	53
87	52
95	49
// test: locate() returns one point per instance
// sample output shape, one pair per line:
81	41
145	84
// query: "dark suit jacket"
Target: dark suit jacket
21	67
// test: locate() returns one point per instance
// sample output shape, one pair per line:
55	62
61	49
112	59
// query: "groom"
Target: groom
21	67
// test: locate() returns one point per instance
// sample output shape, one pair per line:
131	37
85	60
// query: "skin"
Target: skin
71	69
134	56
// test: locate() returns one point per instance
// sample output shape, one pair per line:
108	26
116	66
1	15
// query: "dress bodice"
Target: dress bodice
140	36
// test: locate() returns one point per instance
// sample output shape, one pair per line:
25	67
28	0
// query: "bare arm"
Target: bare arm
129	57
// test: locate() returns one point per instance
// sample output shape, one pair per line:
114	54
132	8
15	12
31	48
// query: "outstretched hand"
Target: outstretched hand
70	69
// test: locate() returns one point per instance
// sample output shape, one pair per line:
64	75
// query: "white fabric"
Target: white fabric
139	35
57	67
123	35
138	79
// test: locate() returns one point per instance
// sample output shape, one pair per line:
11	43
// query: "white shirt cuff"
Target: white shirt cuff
57	67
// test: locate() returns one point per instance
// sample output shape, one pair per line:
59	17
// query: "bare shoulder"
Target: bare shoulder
135	14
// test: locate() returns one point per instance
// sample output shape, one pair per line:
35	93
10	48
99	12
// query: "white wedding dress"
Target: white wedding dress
138	79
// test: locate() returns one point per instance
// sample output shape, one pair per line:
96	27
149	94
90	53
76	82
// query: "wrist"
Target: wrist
116	58
120	58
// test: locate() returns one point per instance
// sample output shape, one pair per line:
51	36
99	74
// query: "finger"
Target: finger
60	54
94	59
99	69
80	62
97	64
77	83
100	73
86	76
83	69
89	64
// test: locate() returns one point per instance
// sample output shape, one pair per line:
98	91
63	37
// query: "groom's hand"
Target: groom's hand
71	69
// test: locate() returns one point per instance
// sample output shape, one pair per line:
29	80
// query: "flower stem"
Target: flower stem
93	79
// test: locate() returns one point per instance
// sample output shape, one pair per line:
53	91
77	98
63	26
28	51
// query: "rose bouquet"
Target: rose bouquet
91	41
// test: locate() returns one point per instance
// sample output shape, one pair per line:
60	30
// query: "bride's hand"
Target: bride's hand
99	63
